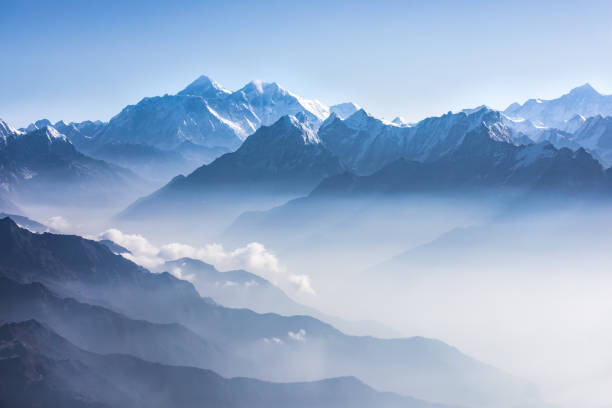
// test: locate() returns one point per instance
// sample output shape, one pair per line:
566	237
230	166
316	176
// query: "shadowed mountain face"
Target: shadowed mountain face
274	345
102	330
480	170
366	144
40	368
275	164
44	165
479	161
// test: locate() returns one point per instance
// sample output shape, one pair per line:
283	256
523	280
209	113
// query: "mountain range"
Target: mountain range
41	368
364	155
44	164
160	137
270	346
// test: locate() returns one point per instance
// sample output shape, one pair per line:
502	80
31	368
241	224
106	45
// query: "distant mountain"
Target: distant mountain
163	136
344	110
481	161
148	161
595	135
207	115
557	113
44	165
283	160
366	144
40	368
81	134
479	169
27	223
273	345
7	132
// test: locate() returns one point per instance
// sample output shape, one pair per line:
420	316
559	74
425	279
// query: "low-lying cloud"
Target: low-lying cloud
253	257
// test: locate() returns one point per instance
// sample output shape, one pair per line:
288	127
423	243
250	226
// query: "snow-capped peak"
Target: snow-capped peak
400	121
7	130
259	87
308	134
51	133
205	87
585	89
469	111
344	110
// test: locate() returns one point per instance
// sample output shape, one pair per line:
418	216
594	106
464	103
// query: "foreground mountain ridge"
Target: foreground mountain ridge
75	267
42	368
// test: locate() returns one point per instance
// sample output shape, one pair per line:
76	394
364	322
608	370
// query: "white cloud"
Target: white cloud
58	223
253	257
143	252
302	283
299	336
274	340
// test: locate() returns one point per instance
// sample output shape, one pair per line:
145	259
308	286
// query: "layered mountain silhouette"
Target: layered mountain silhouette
366	143
45	164
272	345
41	368
479	161
276	163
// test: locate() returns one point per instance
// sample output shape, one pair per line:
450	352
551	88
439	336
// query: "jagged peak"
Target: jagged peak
469	111
399	120
285	126
259	87
6	129
49	133
333	116
585	89
204	86
345	109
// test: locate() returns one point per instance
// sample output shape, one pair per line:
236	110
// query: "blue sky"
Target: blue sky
77	60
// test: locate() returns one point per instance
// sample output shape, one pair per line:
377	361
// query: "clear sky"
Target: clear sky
77	60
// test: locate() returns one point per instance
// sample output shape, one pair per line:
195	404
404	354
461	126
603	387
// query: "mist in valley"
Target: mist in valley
497	276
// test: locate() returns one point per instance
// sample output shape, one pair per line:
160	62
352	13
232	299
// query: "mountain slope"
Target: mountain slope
274	345
41	368
100	330
556	113
207	115
276	163
595	135
43	163
480	161
366	144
